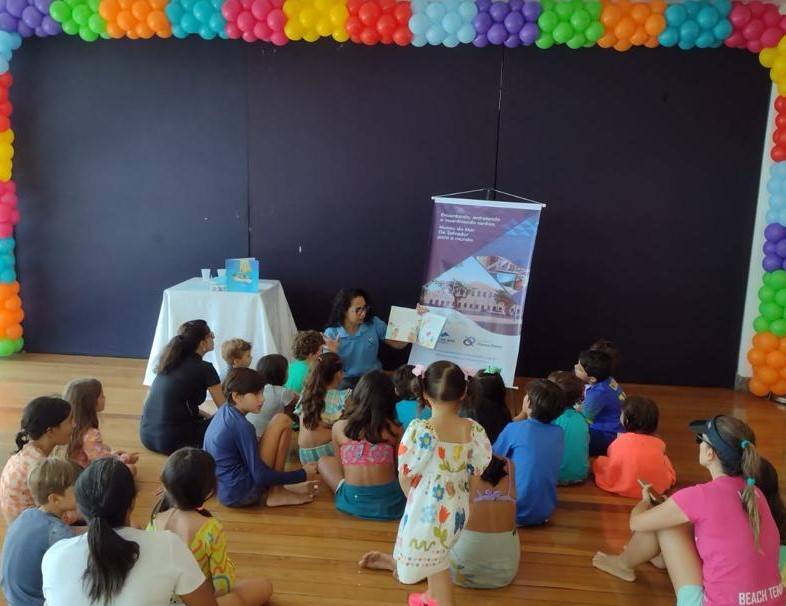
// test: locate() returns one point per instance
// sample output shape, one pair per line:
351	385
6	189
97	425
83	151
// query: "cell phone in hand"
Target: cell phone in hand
656	498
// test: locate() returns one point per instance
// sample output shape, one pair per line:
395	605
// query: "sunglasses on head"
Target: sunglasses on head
699	440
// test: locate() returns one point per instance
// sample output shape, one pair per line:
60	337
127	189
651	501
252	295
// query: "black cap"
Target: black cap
730	453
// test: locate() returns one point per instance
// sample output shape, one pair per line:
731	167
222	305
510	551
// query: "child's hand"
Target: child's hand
131	457
331	344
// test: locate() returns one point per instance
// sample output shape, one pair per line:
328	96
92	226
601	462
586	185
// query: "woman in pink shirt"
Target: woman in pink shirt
718	540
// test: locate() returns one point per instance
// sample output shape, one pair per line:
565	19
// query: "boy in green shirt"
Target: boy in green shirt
305	349
575	454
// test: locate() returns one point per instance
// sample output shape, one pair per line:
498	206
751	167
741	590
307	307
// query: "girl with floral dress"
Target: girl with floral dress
438	460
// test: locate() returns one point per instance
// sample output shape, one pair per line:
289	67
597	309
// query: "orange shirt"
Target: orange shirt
634	456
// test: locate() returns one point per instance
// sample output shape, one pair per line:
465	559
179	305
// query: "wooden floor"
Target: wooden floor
311	551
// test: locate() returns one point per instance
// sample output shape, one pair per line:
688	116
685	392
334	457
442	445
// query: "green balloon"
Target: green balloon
771	311
778	328
778	279
564	10
577	41
19	344
594	9
93	5
544	41
562	33
761	324
81	14
547	5
87	34
594	32
780	297
548	21
71	27
580	20
96	23
767	294
766	278
60	11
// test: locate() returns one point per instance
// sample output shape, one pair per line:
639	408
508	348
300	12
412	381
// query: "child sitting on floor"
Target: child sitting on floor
247	469
535	447
51	483
636	454
236	353
47	422
321	405
87	399
486	402
407	408
189	478
273	370
307	346
575	454
603	399
363	476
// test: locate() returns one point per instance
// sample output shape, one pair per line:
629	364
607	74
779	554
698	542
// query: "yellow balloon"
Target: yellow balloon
309	18
311	35
324	27
323	6
340	35
767	57
782	45
292	8
293	30
339	14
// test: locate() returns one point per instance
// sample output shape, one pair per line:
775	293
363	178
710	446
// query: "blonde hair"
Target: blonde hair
233	349
51	476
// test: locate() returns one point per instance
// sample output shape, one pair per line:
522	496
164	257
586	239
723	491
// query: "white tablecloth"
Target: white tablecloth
263	319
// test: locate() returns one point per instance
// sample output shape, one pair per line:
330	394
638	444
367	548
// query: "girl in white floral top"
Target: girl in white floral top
439	459
46	423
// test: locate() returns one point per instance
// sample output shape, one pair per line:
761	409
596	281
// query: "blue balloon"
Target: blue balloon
782	217
676	15
189	23
451	41
217	23
689	31
686	45
722	30
669	37
7	276
174	12
419	40
468	10
451	23
693	8
435	35
419	24
707	17
206	33
202	11
705	40
435	11
466	34
772	216
779	169
6	245
419	6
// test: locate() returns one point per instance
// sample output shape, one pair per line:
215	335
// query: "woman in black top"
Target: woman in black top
171	418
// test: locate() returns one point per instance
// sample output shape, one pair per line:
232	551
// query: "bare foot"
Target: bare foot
306	488
278	496
613	565
658	562
376	560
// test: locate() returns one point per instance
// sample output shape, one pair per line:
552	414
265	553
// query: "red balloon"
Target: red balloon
369	13
402	36
739	15
386	5
353	6
780	104
778	153
779	136
757	8
753	30
780	120
6	80
771	16
369	37
231	9
386	25
354	27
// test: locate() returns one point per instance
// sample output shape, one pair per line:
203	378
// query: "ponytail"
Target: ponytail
39	416
184	344
105	494
325	369
750	465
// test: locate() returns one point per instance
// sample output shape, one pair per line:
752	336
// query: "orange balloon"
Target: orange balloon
158	5
776	359
767	375
766	341
13	303
18	316
143	31
757	388
611	15
639	37
5	291
140	9
779	389
655	24
108	9
757	357
658	6
639	12
782	373
114	30
625	28
125	20
607	41
6	320
13	332
622	45
652	42
157	21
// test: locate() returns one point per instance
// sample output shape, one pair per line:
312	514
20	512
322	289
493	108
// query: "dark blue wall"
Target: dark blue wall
139	163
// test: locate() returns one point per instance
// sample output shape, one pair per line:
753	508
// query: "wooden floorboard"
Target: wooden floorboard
311	551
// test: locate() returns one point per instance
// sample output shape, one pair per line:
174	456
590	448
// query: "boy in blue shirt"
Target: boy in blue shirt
36	529
535	447
603	399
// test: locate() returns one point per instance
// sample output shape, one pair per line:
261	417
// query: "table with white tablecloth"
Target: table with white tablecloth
264	319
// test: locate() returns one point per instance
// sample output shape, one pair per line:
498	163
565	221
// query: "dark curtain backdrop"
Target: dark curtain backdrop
139	163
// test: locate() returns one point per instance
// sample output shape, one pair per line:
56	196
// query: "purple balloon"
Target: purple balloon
780	248
498	12
768	248
50	26
8	23
24	30
514	22
32	17
516	5
784	264
772	262
15	7
483	5
512	41
480	41
774	232
529	33
531	10
482	22
497	34
42	6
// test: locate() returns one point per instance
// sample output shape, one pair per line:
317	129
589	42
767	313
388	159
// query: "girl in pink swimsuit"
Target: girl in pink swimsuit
363	476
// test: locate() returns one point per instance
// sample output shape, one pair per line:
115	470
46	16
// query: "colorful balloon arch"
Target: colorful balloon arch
616	24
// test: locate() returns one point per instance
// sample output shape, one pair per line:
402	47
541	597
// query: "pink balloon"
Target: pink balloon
260	9
230	10
5	214
15	217
249	37
279	38
754	46
8	198
276	19
262	31
739	15
753	30
770	37
735	40
245	21
756	7
6	230
771	16
246	4
233	31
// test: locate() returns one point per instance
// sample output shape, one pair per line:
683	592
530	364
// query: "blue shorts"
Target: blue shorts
375	502
312	455
690	595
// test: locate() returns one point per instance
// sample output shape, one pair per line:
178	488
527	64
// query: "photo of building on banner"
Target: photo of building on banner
477	276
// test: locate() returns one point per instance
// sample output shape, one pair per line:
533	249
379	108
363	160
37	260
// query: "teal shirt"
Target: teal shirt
575	455
296	375
407	410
